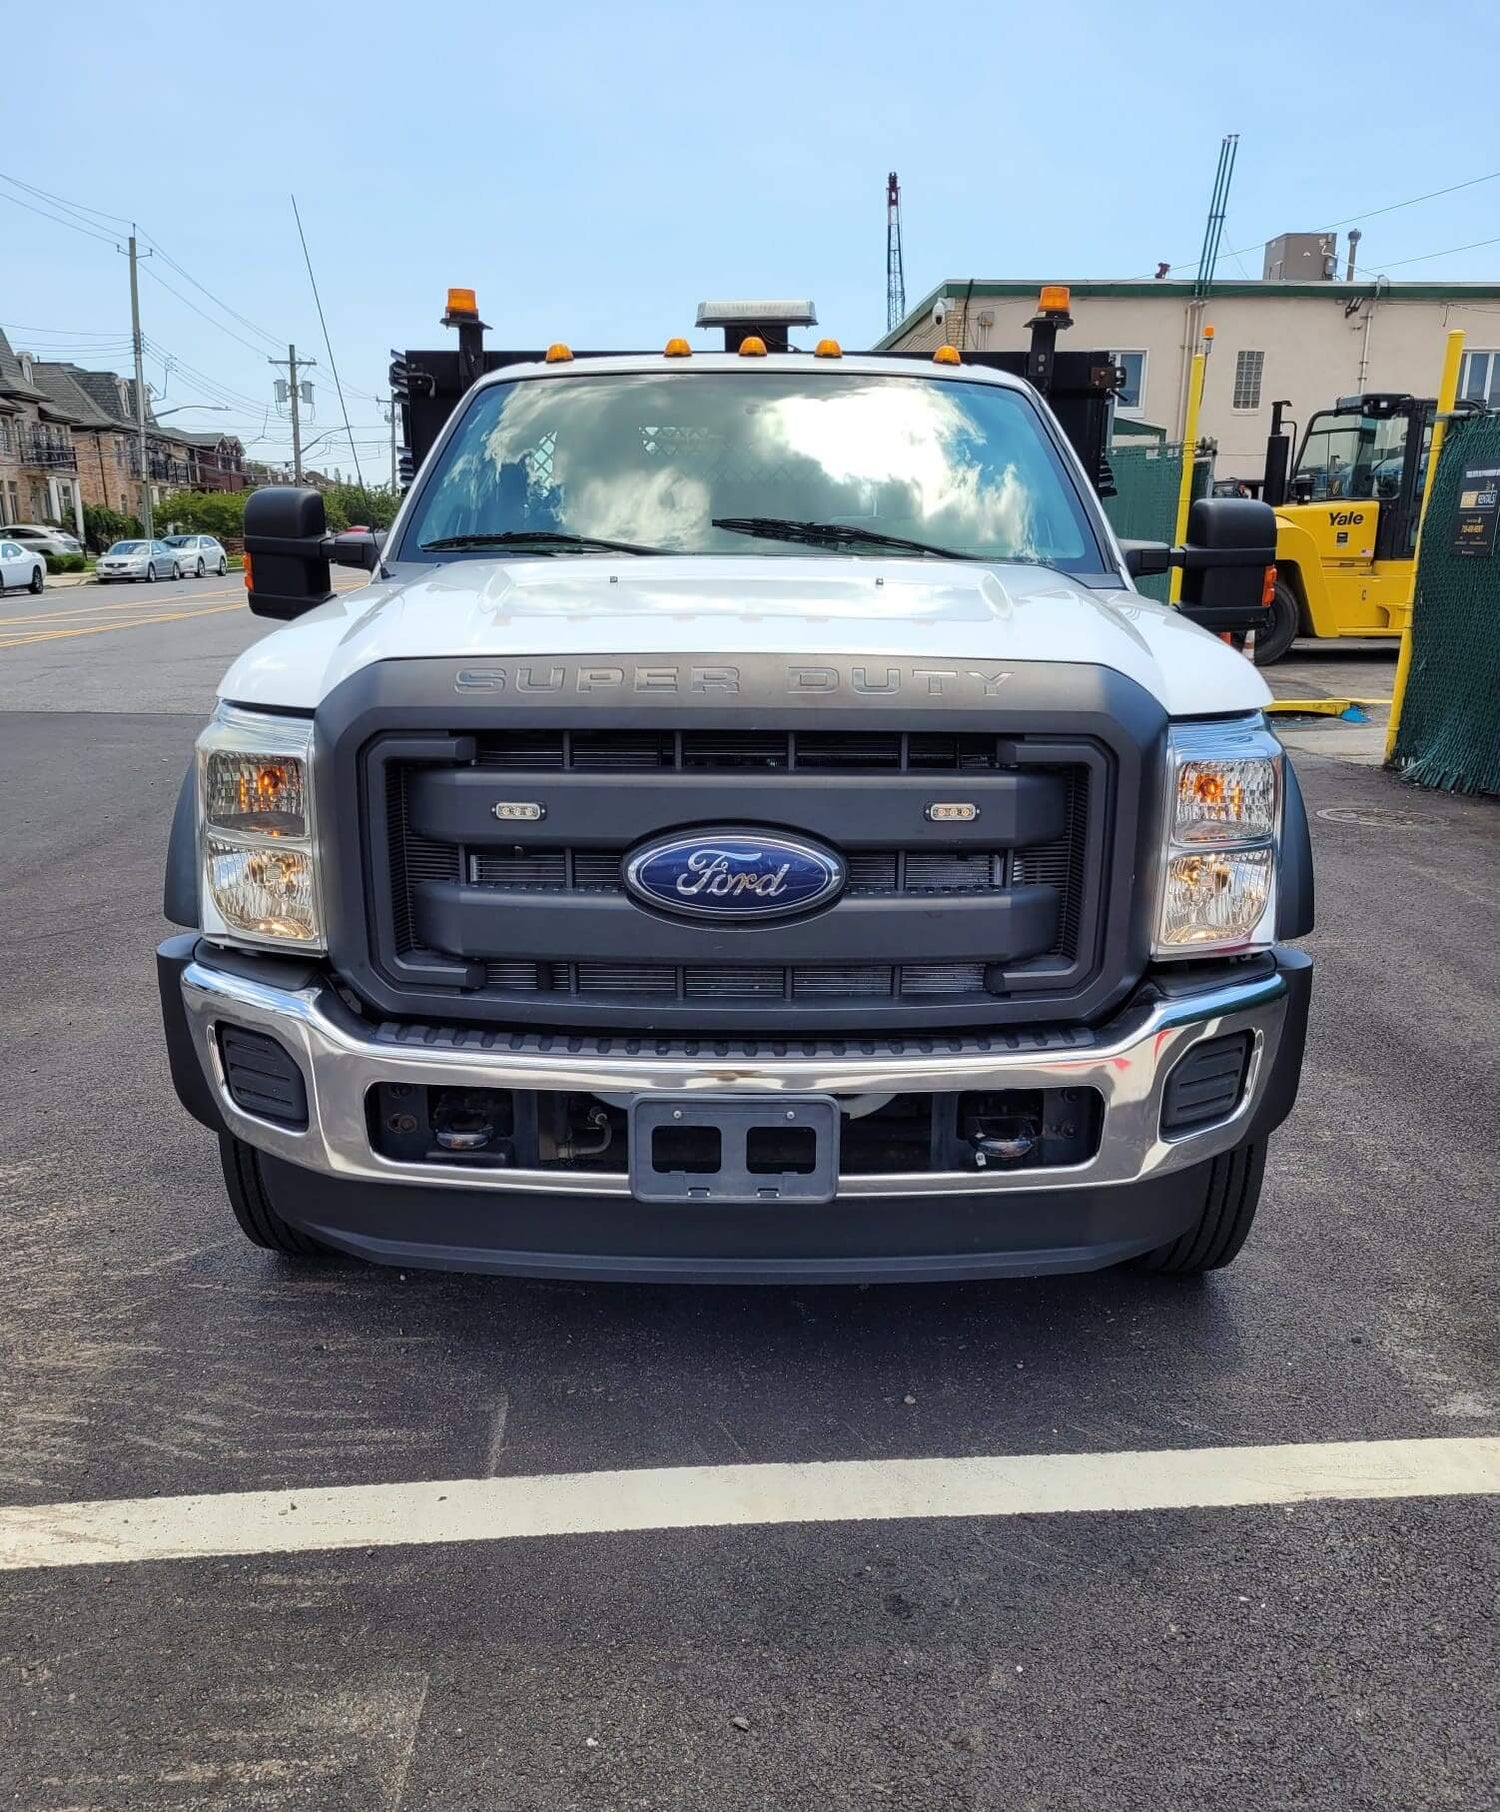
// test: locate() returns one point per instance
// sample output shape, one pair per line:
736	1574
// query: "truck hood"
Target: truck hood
697	606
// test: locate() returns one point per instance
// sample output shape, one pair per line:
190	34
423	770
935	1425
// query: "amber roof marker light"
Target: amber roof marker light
558	353
828	349
676	348
947	355
752	347
463	305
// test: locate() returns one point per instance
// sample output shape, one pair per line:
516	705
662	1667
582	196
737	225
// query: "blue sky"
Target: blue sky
593	171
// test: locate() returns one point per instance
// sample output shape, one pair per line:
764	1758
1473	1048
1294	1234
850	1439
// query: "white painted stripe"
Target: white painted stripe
695	1497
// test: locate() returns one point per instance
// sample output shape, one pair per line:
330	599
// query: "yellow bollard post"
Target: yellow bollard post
1189	443
1447	396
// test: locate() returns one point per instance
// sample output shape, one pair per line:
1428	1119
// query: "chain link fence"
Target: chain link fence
1144	507
1449	734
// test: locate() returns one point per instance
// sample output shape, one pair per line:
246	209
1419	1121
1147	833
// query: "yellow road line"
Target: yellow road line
59	635
93	610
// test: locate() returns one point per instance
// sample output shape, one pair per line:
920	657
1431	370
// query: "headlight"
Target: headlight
1223	840
256	831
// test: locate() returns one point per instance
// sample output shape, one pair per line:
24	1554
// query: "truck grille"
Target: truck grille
919	879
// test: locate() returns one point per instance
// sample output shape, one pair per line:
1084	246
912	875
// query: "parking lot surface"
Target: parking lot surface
1331	1652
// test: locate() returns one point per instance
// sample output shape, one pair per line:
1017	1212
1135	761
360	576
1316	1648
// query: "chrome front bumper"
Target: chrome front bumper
1127	1061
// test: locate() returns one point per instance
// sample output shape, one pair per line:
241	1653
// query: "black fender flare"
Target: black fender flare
180	891
1294	889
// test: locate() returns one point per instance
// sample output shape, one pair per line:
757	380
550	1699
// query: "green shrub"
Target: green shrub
66	563
103	527
202	513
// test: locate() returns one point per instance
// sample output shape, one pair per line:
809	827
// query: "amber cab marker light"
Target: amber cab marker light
828	349
752	347
558	353
462	302
677	348
947	355
1055	299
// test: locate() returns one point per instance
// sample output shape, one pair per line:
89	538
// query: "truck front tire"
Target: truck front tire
259	1221
1231	1192
1285	626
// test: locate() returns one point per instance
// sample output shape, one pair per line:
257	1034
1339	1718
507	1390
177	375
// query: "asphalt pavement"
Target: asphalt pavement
1324	1654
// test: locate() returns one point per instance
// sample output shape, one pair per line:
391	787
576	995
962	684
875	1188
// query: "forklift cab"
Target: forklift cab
1368	450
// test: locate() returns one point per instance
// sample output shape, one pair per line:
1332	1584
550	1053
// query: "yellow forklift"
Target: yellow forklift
1347	515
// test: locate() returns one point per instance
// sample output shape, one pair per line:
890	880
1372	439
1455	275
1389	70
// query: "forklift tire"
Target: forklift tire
248	1197
1286	623
1231	1193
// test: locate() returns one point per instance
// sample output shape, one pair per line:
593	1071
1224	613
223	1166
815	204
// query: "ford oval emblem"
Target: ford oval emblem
734	875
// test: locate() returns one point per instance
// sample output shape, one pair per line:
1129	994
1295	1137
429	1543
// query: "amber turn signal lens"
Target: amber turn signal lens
249	576
1268	590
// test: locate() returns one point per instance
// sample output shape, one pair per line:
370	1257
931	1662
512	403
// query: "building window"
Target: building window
1248	367
1479	378
1130	399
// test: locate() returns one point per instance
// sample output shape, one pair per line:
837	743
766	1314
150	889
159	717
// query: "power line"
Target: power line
1472	246
244	321
328	345
76	207
239	337
57	219
1369	214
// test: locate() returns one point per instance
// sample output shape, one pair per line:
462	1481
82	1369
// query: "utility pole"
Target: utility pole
291	362
147	522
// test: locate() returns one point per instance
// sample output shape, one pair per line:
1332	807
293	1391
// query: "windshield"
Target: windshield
1348	455
664	463
128	547
175	540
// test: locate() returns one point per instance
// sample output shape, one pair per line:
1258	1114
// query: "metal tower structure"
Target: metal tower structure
895	276
1213	231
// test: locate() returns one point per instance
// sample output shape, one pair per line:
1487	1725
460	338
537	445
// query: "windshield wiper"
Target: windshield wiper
541	541
831	534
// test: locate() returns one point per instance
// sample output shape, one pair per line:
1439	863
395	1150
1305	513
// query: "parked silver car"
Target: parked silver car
199	553
20	565
36	537
139	560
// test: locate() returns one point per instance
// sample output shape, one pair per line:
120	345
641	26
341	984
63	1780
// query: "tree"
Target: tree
202	513
102	527
375	508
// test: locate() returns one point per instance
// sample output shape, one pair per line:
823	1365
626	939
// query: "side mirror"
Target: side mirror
1228	563
357	547
1145	559
286	552
1302	488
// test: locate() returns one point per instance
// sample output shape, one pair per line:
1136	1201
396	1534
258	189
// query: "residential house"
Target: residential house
104	437
217	461
38	461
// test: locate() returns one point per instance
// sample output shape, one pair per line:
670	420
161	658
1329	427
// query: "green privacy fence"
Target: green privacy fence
1449	735
1144	508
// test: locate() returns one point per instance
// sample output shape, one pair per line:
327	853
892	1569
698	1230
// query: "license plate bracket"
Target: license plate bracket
755	1149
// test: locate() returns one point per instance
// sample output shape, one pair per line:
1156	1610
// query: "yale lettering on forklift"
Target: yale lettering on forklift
1344	519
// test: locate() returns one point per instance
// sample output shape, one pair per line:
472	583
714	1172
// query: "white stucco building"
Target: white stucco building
1307	342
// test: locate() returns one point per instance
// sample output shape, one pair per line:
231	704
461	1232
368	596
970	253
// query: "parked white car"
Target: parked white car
199	553
139	560
36	537
20	566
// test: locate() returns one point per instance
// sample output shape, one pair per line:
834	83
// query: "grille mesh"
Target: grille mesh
1061	864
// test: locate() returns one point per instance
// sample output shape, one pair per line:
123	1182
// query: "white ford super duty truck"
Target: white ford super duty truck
749	827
